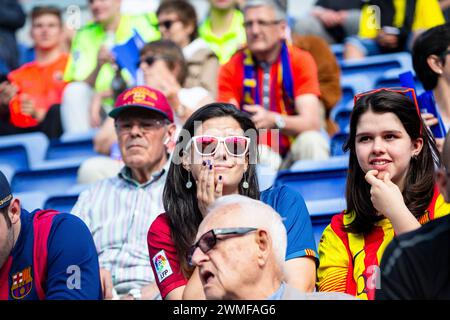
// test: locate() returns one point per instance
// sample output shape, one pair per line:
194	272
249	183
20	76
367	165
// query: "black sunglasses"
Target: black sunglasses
209	239
151	59
167	24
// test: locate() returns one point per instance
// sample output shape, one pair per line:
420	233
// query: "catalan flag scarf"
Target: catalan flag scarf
252	88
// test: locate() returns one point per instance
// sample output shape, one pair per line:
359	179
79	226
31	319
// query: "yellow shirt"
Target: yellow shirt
428	14
350	262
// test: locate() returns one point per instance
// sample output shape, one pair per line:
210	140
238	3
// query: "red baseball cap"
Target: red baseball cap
142	97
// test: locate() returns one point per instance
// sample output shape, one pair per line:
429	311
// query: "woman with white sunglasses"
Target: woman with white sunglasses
215	156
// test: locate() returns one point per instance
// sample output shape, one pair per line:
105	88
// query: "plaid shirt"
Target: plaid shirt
119	212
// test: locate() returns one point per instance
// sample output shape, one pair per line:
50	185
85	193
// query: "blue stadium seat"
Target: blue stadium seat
375	66
8	171
390	79
321	212
338	50
50	181
320	182
330	163
14	155
351	85
61	203
31	200
73	149
337	142
266	176
35	143
342	117
79	136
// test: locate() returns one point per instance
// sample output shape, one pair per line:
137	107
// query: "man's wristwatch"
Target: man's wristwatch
279	121
135	293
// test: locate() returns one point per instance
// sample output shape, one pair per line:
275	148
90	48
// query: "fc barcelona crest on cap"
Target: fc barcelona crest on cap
22	282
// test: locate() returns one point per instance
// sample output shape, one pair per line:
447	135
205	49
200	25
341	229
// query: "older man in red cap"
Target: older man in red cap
120	210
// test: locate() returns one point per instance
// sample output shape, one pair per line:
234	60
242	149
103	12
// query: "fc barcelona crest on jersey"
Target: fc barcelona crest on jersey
22	282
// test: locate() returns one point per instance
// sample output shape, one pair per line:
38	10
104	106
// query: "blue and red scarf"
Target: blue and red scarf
252	88
252	85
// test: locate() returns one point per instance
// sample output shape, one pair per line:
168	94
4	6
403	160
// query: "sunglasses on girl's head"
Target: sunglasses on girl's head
207	145
209	239
409	92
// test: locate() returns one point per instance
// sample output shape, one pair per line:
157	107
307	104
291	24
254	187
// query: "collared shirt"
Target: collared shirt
277	295
119	212
225	46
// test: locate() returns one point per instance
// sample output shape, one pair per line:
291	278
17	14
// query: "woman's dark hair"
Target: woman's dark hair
185	12
420	178
173	55
180	203
433	41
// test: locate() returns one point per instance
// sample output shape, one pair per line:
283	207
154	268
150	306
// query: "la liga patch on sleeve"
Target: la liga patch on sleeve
162	266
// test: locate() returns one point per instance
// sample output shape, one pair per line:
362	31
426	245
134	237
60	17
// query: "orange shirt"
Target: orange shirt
305	81
304	71
42	83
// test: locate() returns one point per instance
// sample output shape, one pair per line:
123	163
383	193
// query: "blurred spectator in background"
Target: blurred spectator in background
252	80
391	25
162	67
223	28
431	61
12	18
38	85
177	21
92	65
331	20
165	69
120	210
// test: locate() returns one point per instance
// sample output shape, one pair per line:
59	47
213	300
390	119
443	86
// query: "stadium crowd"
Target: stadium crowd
185	111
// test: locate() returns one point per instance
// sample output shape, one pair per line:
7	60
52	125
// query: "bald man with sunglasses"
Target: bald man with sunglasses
239	251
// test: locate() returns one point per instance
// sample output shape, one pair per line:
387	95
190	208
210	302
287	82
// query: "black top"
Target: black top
416	265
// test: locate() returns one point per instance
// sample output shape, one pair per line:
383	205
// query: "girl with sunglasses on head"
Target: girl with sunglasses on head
216	155
390	190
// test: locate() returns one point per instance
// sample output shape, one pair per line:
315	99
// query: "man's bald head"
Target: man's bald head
239	211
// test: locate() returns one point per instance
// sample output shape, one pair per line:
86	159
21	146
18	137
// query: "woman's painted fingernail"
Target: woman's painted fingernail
220	177
204	163
210	167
